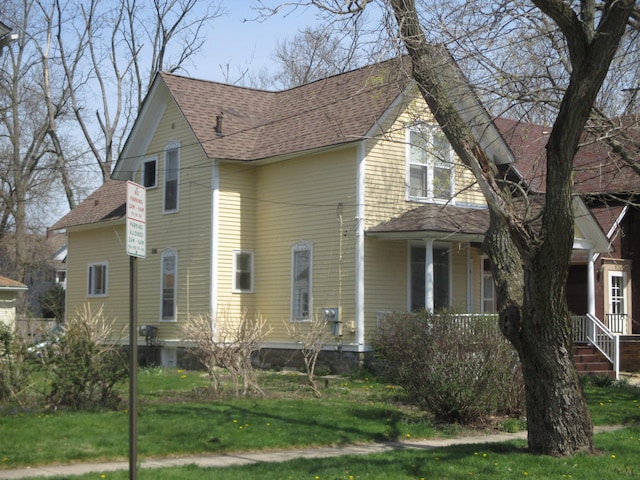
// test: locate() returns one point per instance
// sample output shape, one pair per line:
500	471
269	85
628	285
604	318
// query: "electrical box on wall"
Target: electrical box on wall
333	316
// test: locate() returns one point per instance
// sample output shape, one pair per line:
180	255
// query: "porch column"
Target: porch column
591	289
428	275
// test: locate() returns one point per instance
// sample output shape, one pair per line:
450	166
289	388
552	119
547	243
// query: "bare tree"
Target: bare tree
226	342
530	263
311	337
110	53
26	153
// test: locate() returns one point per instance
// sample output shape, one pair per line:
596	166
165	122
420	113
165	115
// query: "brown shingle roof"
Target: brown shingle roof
8	284
107	203
438	218
596	168
258	124
607	215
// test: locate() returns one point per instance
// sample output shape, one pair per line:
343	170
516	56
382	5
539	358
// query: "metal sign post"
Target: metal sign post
136	248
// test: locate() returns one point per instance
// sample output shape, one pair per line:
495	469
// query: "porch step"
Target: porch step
590	361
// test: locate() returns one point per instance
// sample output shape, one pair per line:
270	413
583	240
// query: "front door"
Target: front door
617	314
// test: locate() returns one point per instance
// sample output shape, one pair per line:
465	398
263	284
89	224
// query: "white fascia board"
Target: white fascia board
139	139
589	226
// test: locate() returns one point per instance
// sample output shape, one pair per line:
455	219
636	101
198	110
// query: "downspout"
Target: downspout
360	199
215	219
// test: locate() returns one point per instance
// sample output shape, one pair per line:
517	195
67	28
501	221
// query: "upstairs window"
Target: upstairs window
301	263
430	164
242	271
171	177
149	173
97	280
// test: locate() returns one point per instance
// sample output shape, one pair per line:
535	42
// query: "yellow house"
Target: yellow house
340	199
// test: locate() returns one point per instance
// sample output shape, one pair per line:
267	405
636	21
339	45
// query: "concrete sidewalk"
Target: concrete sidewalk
227	460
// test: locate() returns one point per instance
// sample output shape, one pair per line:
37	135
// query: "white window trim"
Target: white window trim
299	247
142	171
427	127
623	293
174	145
236	254
169	252
90	266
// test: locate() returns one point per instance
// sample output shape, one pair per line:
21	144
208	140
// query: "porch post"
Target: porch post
428	275
591	289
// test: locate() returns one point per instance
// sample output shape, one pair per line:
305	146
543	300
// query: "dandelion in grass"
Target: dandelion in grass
526	474
613	456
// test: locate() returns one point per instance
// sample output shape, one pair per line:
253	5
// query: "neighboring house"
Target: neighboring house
9	292
610	189
6	37
340	199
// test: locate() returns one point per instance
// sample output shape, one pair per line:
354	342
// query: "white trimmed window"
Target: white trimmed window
243	271
149	173
97	279
488	290
171	177
429	164
301	269
168	282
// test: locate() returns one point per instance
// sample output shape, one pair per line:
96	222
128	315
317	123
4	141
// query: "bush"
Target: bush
52	303
15	373
226	343
84	365
459	368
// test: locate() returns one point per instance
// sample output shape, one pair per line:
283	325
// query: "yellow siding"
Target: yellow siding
237	231
385	177
304	199
103	244
386	276
188	231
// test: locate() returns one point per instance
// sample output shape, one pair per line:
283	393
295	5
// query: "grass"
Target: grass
175	418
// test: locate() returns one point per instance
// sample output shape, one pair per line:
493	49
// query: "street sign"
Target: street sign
136	220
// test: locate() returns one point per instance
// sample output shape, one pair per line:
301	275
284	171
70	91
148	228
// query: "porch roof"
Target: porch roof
436	221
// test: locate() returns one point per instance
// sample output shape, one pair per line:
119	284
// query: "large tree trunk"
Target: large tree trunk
558	416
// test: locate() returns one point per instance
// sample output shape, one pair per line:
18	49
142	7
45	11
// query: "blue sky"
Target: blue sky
242	45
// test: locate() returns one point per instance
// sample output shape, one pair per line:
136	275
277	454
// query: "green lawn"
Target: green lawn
175	418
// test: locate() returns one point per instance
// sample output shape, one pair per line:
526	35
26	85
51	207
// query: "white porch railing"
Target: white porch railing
617	322
588	329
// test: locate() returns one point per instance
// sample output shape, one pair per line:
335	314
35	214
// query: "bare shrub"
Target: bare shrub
311	338
226	344
85	364
459	368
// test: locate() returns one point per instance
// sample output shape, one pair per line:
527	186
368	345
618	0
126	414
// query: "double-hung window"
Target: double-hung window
430	164
97	280
168	281
243	271
301	266
171	176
